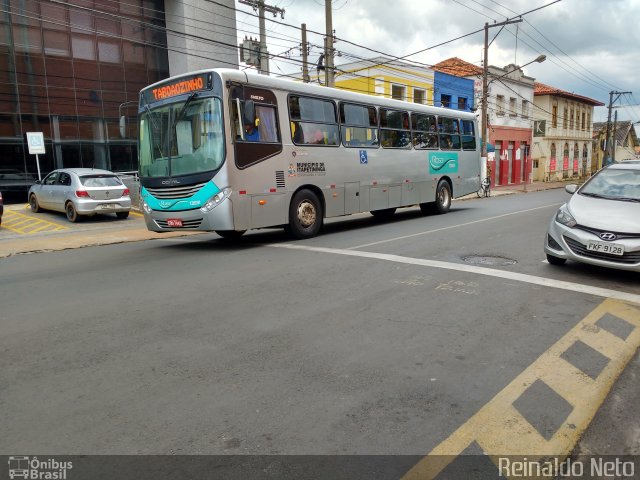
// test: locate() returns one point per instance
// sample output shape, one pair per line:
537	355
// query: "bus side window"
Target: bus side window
424	133
449	133
468	135
359	125
394	129
313	121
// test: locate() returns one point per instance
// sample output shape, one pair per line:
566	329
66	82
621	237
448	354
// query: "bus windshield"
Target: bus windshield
181	138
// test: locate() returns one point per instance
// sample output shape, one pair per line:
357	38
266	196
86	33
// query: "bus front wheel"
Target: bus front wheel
305	215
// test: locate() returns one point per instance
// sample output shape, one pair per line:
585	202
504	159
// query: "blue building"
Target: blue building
453	92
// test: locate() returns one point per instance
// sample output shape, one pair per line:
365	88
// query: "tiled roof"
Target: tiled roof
623	129
458	67
542	89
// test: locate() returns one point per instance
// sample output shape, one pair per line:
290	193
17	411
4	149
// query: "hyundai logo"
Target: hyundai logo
608	236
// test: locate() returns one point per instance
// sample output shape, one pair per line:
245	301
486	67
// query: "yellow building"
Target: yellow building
386	77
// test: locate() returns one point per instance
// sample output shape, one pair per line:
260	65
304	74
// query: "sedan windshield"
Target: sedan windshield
182	138
614	184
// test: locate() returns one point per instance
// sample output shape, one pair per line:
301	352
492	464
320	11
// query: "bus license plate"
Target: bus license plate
174	222
602	247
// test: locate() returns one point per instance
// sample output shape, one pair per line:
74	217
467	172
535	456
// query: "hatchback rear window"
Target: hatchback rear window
100	181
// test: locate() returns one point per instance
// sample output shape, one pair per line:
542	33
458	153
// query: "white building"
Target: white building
562	133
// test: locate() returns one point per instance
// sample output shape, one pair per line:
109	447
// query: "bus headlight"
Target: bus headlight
146	207
216	200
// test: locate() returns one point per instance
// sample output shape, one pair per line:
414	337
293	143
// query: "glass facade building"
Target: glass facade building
71	70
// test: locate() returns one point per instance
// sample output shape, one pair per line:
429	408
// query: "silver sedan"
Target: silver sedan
600	224
81	191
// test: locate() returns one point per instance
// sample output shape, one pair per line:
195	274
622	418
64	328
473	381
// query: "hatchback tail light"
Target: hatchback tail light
125	193
82	193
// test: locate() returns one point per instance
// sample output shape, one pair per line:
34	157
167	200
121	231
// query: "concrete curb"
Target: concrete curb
67	241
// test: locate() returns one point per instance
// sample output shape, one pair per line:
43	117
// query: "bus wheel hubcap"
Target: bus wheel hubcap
444	197
306	214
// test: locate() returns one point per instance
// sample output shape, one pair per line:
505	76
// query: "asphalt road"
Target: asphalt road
373	338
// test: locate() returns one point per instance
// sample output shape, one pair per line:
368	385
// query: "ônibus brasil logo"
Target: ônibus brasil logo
37	469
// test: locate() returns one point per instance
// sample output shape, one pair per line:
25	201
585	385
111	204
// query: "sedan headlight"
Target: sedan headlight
565	218
216	200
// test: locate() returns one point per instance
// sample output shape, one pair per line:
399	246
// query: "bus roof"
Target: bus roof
274	83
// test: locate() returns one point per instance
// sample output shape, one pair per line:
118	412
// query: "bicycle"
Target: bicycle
485	188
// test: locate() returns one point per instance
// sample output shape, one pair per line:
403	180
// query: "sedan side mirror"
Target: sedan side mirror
571	188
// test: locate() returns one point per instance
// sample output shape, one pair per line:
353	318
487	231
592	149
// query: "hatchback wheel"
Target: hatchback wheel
72	215
122	215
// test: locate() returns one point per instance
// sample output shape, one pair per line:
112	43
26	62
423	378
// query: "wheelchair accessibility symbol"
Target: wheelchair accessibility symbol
363	157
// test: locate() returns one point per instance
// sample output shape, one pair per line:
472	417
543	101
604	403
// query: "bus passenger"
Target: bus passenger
251	133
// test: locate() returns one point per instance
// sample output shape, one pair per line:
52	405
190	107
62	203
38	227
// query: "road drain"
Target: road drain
489	260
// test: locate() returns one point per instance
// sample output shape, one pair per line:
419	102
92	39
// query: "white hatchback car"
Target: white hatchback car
600	224
81	191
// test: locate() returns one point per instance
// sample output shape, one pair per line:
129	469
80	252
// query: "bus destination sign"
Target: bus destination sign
178	87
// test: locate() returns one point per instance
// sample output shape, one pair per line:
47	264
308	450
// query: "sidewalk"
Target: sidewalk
135	230
78	235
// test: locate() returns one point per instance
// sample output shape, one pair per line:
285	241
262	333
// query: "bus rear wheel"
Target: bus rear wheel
443	197
305	215
230	234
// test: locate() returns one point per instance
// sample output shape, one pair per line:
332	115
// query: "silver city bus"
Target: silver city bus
227	151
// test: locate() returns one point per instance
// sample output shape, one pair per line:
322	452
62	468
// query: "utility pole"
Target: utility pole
607	149
613	136
485	93
261	7
305	52
329	74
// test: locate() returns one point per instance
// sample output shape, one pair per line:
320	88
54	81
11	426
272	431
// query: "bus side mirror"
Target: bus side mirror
123	126
250	112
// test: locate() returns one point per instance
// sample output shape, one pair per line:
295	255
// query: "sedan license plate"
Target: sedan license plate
174	222
602	247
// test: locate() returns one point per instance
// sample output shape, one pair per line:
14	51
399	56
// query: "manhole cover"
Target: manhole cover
489	260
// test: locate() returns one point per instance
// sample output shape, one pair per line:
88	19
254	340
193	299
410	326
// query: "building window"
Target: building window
398	92
588	121
419	96
462	103
500	104
583	123
525	109
554	116
565	118
571	124
445	100
513	112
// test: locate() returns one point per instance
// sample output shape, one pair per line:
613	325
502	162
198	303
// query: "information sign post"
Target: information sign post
35	141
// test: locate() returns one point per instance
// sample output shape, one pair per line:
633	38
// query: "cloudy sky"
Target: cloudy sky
592	46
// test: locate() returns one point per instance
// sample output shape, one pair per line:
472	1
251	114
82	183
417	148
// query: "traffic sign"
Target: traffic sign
35	140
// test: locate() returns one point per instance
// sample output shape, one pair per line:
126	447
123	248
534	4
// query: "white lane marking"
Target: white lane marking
453	226
491	272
